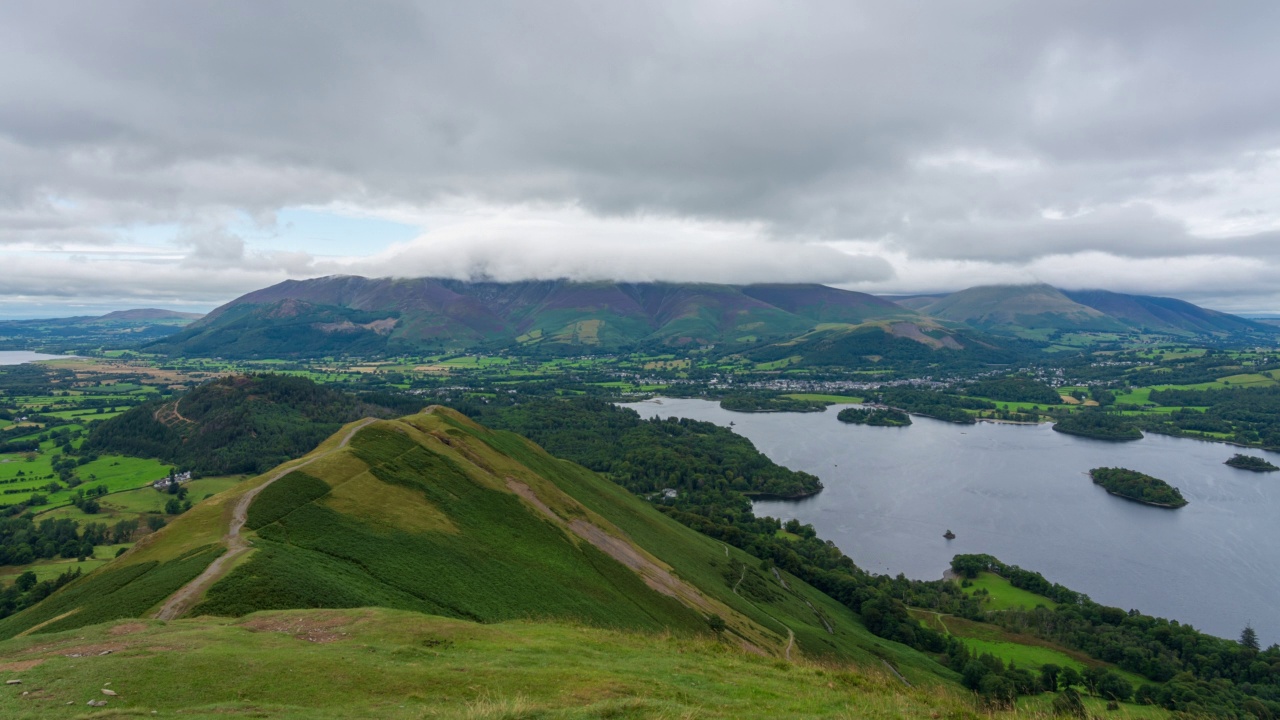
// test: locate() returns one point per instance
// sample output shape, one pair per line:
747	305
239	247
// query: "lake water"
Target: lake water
1022	494
17	357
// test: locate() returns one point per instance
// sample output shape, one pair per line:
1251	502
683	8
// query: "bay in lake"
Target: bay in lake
1022	494
17	357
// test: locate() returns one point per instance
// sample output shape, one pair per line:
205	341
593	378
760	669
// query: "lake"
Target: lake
1022	493
17	357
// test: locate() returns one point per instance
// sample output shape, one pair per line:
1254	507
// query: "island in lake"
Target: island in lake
1251	462
1098	425
1139	487
880	417
765	403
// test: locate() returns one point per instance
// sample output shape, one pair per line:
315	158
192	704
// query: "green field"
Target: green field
144	500
49	569
819	397
1003	596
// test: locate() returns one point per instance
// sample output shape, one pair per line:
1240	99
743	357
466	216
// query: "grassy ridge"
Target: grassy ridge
496	559
392	664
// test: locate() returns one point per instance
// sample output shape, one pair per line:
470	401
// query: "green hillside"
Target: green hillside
1170	315
371	316
436	514
1018	308
382	663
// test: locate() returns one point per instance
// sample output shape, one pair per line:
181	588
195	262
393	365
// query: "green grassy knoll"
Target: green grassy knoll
400	665
1001	595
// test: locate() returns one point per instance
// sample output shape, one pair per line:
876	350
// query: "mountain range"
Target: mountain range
119	328
383	314
370	316
1021	308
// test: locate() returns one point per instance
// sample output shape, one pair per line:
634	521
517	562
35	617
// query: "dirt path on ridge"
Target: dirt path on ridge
791	635
182	600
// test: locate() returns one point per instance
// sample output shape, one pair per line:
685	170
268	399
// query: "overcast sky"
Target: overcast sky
178	154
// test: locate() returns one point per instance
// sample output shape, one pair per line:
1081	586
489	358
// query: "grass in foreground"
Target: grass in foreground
393	664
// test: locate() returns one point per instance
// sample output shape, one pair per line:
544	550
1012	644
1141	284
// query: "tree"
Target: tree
25	581
998	690
1049	676
1249	638
1114	687
1068	677
973	673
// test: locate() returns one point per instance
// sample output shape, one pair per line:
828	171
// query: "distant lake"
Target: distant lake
1022	494
17	357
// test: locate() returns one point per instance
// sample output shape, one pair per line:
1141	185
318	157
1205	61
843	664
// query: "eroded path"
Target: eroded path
183	600
791	635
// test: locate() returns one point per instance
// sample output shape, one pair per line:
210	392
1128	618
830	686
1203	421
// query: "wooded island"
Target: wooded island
1136	486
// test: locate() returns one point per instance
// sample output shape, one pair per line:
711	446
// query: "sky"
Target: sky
177	155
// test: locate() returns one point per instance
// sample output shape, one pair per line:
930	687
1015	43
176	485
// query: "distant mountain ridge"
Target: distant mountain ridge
122	328
1163	313
147	314
346	314
373	314
1027	308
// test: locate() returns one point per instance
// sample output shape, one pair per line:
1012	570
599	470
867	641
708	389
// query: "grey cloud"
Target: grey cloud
818	121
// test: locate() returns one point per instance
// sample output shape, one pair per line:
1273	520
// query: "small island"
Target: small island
880	417
1136	486
1251	462
1099	426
